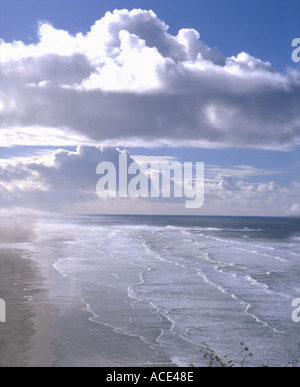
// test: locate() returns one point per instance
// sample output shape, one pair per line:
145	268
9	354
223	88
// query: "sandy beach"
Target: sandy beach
25	337
15	334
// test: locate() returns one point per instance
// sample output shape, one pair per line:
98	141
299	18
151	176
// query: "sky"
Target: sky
188	81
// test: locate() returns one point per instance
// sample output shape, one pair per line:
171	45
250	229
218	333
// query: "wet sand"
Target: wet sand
17	276
25	337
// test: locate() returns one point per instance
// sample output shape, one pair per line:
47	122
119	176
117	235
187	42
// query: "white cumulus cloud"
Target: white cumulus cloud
129	79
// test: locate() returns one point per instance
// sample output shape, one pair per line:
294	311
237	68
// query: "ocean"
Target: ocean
171	291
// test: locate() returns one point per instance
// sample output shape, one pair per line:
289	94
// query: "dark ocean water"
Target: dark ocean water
181	284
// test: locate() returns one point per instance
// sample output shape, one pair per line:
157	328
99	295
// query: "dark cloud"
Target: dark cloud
75	171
